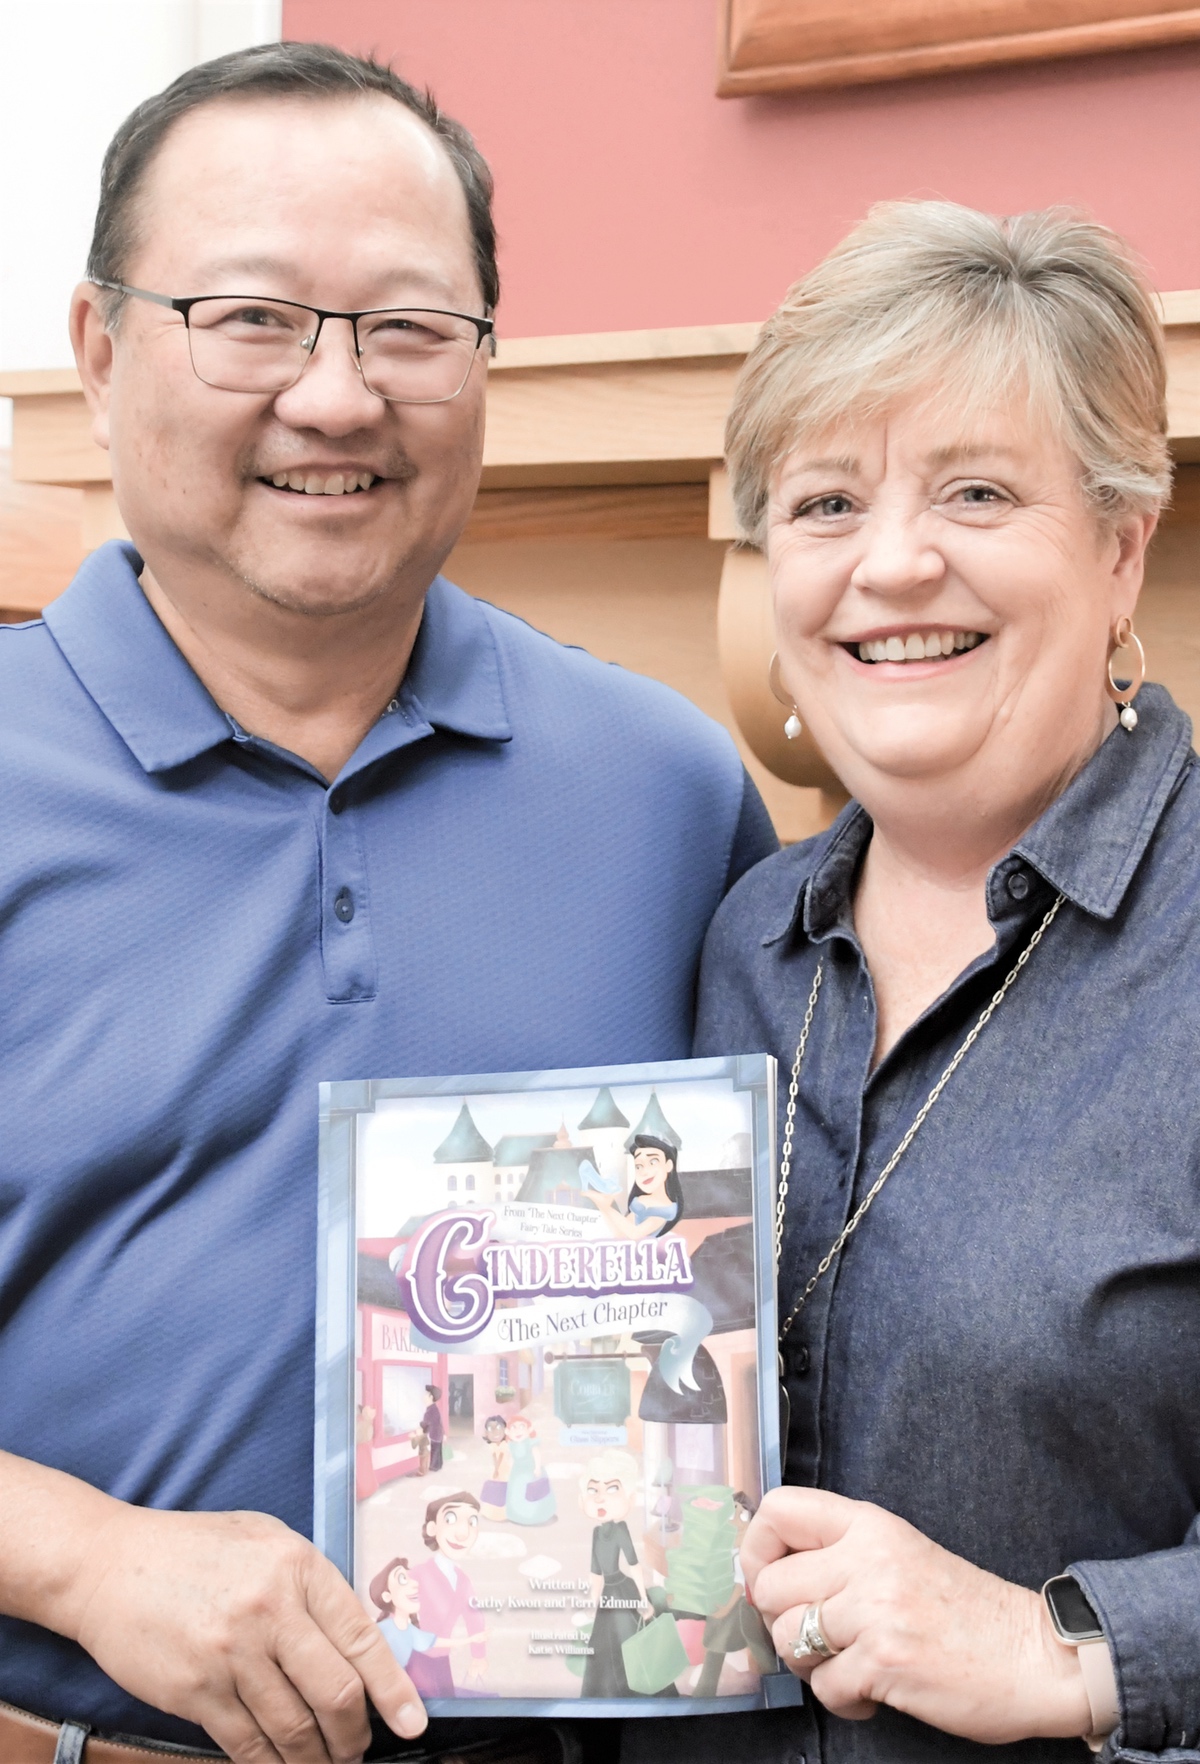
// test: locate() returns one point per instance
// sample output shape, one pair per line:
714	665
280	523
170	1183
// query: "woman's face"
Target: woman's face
650	1170
604	1498
404	1592
518	1428
923	529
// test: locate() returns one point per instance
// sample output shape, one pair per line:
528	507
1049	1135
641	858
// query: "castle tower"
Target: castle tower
465	1172
603	1128
653	1121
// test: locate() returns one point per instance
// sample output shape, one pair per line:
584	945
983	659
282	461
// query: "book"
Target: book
547	1390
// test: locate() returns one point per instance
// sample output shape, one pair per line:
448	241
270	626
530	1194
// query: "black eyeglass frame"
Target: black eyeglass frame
183	304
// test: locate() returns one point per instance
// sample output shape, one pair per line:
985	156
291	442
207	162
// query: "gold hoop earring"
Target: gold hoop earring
1123	692
793	726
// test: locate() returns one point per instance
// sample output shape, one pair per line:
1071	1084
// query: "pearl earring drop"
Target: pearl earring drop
794	726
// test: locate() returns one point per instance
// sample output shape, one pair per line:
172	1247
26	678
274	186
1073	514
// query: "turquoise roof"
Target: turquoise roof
518	1148
554	1171
464	1144
603	1112
653	1121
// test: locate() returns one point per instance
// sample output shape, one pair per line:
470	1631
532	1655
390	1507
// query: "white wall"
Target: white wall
70	71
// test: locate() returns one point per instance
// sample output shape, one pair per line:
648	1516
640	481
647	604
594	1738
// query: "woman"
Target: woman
607	1492
494	1493
396	1596
529	1499
950	441
655	1201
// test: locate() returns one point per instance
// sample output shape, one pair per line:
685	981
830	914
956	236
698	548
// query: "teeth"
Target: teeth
313	484
917	648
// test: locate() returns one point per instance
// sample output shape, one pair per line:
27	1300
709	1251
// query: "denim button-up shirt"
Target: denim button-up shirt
1008	1352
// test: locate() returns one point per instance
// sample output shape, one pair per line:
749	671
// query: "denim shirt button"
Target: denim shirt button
1018	885
800	1359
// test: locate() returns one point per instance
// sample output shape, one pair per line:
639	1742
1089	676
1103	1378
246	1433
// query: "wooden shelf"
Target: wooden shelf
797	45
604	517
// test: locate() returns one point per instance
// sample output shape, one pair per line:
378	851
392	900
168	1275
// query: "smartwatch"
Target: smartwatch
1073	1618
1077	1626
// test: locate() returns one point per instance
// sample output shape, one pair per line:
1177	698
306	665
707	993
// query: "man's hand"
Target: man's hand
235	1622
918	1628
229	1620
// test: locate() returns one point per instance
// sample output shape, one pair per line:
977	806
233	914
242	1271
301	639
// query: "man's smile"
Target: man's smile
317	483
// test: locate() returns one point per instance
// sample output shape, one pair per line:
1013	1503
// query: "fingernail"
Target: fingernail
412	1720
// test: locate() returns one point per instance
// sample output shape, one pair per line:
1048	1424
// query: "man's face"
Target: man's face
344	204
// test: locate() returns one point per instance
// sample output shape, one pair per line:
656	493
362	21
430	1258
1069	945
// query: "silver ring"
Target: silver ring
811	1638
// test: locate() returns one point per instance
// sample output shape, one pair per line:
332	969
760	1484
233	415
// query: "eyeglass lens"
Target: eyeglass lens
409	356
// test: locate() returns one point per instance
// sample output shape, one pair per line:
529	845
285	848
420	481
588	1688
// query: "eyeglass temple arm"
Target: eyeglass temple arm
144	294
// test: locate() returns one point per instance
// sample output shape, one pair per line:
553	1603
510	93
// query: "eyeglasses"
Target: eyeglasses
244	343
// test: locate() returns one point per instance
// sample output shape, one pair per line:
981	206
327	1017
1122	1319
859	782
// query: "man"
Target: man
279	805
433	1426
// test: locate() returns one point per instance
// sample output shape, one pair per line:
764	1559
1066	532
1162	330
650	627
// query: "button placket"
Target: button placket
347	946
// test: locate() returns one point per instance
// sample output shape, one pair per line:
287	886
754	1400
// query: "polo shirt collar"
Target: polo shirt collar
1086	845
122	655
118	647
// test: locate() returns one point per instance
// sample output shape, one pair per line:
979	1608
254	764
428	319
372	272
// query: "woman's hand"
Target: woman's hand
917	1628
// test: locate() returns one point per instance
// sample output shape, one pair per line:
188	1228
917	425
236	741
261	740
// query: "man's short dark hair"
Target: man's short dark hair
290	70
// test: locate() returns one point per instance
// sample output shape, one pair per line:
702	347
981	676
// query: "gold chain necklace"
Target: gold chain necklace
785	1163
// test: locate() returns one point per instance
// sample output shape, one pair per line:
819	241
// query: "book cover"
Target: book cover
547	1401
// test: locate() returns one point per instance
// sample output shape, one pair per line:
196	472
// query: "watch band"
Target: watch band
1100	1683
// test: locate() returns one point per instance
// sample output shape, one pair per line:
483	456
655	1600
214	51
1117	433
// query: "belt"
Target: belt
30	1739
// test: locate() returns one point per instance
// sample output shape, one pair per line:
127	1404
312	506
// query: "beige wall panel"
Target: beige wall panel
650	605
1168	615
40	546
52	442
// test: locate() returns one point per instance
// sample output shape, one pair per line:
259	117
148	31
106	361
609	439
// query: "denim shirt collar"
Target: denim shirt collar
126	661
1086	845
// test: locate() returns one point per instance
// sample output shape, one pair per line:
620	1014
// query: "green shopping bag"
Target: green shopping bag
654	1657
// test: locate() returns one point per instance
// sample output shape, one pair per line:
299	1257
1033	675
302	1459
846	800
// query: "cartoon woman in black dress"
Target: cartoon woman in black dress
607	1489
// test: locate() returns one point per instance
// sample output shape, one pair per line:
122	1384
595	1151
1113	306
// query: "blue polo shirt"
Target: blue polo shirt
514	870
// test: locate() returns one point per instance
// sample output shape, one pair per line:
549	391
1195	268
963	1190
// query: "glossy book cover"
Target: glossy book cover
547	1402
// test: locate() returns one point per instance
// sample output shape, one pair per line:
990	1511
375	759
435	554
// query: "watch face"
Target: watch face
1070	1612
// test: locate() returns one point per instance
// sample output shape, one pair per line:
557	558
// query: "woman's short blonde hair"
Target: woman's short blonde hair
932	296
611	1466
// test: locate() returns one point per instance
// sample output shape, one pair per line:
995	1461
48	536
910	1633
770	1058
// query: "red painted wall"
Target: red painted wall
629	195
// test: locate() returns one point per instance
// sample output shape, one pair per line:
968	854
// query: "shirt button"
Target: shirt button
337	803
801	1359
343	905
1018	885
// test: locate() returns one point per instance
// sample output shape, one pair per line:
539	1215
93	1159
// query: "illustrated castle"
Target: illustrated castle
468	1172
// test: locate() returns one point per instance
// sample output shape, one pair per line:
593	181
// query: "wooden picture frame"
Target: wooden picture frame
794	45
